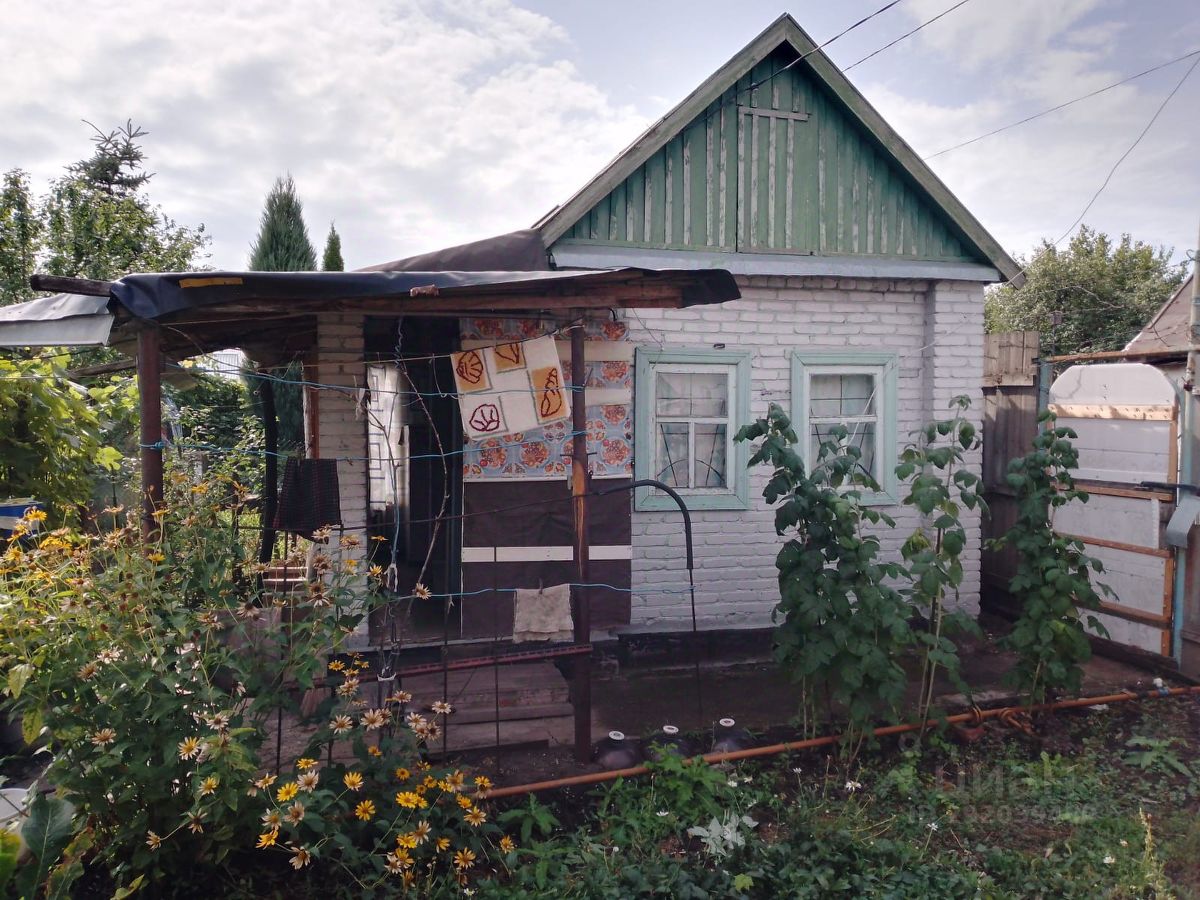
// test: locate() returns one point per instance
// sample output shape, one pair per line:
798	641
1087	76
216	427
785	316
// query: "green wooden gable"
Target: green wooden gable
768	157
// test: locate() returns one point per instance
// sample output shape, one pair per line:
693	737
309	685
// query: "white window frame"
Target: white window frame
882	366
736	367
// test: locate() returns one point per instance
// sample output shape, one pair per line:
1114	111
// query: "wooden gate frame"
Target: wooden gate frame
1164	621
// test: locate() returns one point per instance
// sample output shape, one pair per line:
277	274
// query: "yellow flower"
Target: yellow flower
265	782
374	751
304	763
442	708
353	780
421	592
443	843
209	785
341	724
364	811
300	858
375	718
406	840
483	782
33	514
456	780
155	557
464	859
421	832
507	845
463	801
400	697
267	839
350	566
153	841
104	737
337	666
286	792
409	800
189	748
475	818
272	819
402	774
375	571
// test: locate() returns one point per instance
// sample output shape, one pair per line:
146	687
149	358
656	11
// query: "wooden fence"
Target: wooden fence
1010	408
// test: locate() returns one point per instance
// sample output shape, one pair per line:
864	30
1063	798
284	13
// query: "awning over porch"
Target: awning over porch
203	311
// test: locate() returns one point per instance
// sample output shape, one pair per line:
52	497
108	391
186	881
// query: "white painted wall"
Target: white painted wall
936	330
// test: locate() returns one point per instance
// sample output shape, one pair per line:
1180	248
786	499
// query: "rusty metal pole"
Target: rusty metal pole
582	687
149	379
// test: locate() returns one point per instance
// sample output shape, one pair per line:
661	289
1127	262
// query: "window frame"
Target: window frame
883	366
648	363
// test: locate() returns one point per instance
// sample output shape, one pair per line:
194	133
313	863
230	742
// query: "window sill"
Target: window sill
645	501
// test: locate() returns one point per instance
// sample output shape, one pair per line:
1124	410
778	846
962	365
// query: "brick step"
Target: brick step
532	684
518	733
470	715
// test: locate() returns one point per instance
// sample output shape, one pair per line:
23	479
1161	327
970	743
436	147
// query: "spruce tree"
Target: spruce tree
332	260
282	244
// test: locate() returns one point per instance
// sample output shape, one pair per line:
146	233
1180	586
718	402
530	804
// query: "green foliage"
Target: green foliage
331	260
1053	581
10	847
98	224
843	626
155	674
20	237
53	434
46	833
282	244
534	816
1157	754
939	485
219	412
1104	290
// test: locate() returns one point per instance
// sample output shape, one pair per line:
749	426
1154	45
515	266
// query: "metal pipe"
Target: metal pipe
827	740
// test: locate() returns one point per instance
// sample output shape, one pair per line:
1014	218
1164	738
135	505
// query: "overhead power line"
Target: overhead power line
1046	112
906	35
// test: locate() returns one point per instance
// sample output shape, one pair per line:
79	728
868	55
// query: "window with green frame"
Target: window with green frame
689	405
854	390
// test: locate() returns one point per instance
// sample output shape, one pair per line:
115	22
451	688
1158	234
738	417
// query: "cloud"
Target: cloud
413	124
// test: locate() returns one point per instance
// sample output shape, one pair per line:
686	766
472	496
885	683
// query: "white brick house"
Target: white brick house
862	282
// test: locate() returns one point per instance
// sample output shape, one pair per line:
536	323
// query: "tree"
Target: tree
20	235
282	244
332	260
1104	291
94	222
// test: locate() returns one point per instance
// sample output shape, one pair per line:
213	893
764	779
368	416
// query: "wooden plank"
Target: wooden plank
669	194
1102	355
656	198
1140	413
1168	603
1119	545
1135	615
89	287
775	113
1135	493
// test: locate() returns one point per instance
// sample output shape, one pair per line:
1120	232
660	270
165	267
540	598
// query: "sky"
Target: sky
417	124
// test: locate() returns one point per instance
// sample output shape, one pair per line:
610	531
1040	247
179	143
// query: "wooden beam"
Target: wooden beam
1140	616
62	285
582	688
1101	355
149	378
1119	545
1133	493
1133	412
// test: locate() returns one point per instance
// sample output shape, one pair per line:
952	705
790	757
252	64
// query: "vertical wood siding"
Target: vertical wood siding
777	168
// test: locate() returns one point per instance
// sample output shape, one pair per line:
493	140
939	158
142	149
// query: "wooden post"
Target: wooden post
580	486
149	377
270	492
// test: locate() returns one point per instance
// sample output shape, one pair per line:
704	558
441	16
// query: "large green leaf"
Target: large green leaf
46	832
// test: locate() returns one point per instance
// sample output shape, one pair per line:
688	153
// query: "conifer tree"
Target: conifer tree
282	244
332	260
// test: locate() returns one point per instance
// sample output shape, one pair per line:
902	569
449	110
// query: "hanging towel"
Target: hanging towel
309	498
543	614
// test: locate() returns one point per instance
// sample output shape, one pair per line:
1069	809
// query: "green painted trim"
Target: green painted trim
780	251
783	30
803	360
643	449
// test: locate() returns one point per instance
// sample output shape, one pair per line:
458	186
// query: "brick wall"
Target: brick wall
936	330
